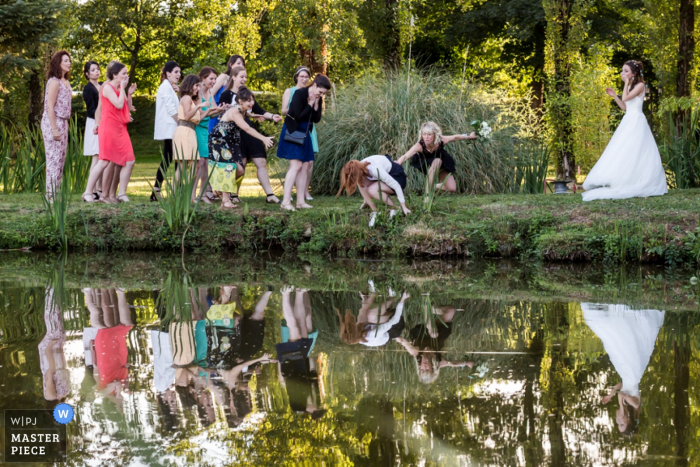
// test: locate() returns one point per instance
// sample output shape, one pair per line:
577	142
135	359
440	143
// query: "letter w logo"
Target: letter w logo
63	413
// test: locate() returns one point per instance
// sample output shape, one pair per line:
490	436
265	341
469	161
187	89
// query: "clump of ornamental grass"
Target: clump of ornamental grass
383	113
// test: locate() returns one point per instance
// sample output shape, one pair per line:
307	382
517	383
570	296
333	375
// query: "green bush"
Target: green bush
381	114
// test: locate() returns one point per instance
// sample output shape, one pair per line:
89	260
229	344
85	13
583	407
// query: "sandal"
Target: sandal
287	207
227	205
90	198
274	201
235	199
123	199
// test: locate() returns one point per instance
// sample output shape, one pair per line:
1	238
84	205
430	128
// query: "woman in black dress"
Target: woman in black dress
252	149
225	161
430	157
91	96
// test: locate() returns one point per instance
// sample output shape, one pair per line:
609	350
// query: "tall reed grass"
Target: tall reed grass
680	149
22	159
381	114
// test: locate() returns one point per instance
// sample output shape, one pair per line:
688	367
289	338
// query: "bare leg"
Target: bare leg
288	312
96	176
289	180
125	176
202	175
263	177
124	311
98	183
259	313
300	312
301	184
449	185
115	182
373	192
109	316
307	310
107	177
309	171
244	162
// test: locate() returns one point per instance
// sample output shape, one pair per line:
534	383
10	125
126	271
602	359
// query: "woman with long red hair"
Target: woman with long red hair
377	178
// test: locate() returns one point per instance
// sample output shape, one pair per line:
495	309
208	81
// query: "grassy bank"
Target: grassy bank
550	228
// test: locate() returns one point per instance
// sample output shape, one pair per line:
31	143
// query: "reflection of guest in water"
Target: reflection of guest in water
51	357
629	337
297	371
375	326
163	378
111	316
427	342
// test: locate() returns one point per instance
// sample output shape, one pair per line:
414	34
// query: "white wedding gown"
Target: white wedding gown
630	166
628	336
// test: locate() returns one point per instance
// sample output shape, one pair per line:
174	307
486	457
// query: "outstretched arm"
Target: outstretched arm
238	120
449	139
456	363
415	149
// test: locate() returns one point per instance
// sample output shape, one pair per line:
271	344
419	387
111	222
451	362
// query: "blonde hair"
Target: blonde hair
352	174
431	128
428	376
351	332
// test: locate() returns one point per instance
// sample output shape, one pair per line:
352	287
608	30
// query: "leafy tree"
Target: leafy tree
27	29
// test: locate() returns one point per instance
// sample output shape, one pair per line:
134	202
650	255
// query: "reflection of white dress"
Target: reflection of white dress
628	337
630	166
163	371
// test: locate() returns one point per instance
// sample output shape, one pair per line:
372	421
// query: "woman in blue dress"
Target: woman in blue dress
305	109
301	80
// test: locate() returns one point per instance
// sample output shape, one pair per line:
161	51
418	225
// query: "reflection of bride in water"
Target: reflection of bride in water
51	357
629	337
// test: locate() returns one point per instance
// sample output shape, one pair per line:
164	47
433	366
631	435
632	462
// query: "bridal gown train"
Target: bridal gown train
630	166
628	336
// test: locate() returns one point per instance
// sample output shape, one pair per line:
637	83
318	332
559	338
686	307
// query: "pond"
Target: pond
267	360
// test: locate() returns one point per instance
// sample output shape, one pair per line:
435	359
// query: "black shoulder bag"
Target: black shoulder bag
297	137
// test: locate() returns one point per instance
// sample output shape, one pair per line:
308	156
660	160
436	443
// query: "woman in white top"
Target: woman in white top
167	103
377	178
374	327
629	337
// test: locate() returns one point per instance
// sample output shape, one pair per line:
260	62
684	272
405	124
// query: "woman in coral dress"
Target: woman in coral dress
114	141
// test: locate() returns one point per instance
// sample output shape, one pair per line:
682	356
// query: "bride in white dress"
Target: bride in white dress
629	337
630	166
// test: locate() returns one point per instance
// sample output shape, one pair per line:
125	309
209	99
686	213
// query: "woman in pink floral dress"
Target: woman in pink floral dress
56	119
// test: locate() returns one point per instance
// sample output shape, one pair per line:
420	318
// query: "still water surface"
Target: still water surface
266	361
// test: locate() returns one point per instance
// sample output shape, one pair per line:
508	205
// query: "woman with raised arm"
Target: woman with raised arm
167	103
305	109
189	115
630	166
252	149
225	163
377	178
115	143
301	80
56	118
430	157
91	96
221	83
209	110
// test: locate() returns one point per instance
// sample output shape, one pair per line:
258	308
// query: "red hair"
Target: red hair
352	174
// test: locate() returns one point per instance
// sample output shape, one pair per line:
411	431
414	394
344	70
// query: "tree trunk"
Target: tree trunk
36	98
686	46
681	400
561	108
392	56
135	57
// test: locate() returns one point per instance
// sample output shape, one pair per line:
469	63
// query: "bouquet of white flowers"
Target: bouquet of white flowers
482	129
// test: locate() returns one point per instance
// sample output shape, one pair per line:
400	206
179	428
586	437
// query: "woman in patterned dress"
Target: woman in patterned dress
225	162
56	119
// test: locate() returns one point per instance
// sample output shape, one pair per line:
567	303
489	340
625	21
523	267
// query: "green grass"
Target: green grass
548	227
